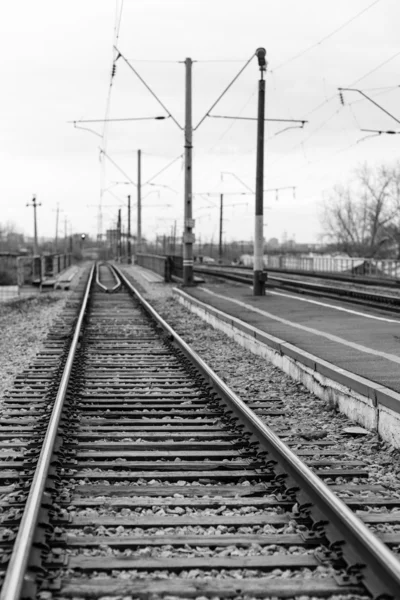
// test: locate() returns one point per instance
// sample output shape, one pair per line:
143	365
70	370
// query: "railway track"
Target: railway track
129	469
326	290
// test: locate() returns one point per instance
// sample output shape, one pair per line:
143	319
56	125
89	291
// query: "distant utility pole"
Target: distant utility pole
57	217
129	232
119	235
139	203
174	237
221	208
35	236
188	236
258	273
65	235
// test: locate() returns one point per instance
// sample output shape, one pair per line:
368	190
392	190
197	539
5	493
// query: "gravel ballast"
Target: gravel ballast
24	325
253	378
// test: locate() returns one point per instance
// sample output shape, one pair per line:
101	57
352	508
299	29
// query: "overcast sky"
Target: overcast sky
55	62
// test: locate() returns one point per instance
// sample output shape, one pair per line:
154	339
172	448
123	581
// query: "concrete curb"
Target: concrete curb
371	404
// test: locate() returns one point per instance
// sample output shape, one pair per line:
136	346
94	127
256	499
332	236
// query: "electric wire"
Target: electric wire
327	37
385	62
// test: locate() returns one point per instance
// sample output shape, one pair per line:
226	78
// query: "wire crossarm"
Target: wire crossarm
148	87
368	98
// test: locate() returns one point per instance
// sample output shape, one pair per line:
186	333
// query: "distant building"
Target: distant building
273	244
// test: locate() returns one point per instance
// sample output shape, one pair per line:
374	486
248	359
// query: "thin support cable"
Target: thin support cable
224	92
371	100
148	88
368	136
103	152
221	137
163	169
301	126
87	129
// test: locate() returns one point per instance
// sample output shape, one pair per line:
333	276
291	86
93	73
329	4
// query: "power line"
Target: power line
327	37
385	62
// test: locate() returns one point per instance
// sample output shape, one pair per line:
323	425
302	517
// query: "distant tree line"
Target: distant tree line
362	218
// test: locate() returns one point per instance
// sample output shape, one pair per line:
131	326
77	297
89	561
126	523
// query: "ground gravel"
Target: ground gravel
24	325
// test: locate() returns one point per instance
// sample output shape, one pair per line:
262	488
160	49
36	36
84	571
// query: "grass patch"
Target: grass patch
29	303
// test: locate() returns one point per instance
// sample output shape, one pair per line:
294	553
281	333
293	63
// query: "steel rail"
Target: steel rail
383	568
372	299
103	287
118	280
15	575
368	280
98	282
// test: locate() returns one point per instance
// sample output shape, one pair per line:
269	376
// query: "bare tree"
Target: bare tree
363	218
10	239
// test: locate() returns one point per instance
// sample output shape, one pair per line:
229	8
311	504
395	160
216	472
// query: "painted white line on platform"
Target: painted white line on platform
324	334
149	277
349	310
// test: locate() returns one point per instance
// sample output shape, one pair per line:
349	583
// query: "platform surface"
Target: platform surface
149	276
364	341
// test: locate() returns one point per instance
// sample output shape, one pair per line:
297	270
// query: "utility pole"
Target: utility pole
119	236
57	216
129	232
188	236
139	203
258	273
35	237
71	239
65	236
221	208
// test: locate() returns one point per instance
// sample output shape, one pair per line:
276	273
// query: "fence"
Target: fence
18	271
33	270
371	267
154	262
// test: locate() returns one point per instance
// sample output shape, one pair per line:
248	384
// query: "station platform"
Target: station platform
361	340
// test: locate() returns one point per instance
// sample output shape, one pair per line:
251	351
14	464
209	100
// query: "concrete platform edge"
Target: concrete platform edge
370	404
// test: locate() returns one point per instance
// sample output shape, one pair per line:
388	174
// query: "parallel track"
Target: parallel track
163	482
325	290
